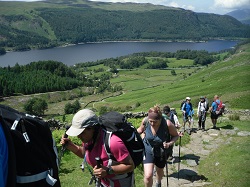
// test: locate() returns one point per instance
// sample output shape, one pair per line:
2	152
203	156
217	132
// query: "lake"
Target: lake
73	54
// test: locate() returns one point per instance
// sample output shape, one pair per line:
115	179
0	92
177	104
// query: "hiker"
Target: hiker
213	109
187	112
201	113
168	114
119	172
156	133
4	158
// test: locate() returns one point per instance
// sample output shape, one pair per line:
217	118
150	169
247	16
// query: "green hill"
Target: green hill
228	78
50	23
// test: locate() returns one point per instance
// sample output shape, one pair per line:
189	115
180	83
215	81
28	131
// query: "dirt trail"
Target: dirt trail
200	146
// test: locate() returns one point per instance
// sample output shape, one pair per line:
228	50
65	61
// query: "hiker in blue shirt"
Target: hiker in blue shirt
4	158
188	112
213	109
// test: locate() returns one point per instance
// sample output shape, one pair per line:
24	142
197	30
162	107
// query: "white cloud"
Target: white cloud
187	7
232	4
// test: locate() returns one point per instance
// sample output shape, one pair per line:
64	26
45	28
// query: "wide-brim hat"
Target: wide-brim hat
81	120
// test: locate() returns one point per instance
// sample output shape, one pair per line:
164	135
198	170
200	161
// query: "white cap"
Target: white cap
82	119
188	98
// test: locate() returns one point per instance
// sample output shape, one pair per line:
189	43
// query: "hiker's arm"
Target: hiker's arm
174	134
126	166
141	129
76	149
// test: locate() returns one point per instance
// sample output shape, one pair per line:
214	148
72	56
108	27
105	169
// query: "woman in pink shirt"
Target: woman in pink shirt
112	173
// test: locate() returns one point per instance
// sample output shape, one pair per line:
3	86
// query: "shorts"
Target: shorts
158	161
186	118
214	115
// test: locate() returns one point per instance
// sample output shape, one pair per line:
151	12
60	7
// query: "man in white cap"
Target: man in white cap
85	126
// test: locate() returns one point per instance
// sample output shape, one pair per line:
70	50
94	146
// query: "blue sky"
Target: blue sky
208	6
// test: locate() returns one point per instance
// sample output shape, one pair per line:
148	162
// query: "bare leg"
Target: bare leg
148	174
159	174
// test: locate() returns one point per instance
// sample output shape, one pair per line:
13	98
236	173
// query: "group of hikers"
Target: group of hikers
159	131
153	129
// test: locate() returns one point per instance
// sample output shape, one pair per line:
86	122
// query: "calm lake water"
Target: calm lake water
71	55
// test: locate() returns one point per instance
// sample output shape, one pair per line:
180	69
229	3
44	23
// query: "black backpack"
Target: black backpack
182	103
32	150
116	123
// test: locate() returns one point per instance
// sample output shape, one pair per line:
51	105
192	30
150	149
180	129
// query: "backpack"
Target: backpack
182	103
32	151
116	123
220	108
171	117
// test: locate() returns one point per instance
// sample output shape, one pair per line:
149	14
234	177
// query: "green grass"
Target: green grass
232	160
228	79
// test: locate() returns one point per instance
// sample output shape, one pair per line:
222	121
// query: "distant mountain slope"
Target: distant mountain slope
241	15
51	23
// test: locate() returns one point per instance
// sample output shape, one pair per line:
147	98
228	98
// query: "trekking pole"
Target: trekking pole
64	146
99	165
166	158
181	134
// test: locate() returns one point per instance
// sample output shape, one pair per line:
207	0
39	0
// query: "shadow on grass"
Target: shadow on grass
227	127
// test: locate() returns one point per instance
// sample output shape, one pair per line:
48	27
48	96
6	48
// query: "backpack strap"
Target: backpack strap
107	136
37	177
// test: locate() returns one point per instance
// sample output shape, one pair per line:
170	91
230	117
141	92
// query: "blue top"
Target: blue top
187	108
3	158
155	141
215	105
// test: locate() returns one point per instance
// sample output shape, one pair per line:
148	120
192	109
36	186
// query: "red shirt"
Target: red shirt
117	148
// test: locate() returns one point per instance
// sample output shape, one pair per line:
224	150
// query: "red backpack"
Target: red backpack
220	108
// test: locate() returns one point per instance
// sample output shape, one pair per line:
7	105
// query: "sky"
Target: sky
207	6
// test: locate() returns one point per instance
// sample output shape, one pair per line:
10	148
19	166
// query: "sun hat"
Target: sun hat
82	119
202	97
188	98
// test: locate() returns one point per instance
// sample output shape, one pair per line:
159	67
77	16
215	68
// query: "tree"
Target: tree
173	72
36	106
72	108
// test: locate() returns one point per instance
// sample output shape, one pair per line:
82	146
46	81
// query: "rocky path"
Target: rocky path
200	146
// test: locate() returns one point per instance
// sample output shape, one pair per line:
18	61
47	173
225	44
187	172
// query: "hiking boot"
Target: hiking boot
203	129
214	127
158	184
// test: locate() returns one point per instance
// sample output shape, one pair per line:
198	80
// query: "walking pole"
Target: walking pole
166	157
180	135
63	147
99	165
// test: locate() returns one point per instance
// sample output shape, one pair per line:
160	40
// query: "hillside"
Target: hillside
143	88
51	23
228	78
241	15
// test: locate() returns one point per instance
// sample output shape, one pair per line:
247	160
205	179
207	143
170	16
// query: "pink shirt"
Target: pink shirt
117	148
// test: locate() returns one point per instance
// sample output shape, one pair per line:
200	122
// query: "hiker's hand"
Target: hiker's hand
166	145
65	141
99	172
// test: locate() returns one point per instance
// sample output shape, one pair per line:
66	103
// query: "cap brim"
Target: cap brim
74	131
